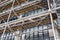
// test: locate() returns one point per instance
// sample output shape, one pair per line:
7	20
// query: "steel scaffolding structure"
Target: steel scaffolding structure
52	7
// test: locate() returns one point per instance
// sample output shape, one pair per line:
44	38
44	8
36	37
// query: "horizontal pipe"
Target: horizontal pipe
6	3
25	18
20	7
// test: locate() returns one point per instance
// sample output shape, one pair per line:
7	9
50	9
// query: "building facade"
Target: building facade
29	19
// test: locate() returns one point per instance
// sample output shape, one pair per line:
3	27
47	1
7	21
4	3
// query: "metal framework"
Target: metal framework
30	18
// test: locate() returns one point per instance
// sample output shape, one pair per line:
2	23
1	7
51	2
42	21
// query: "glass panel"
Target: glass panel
52	38
30	0
41	38
45	27
36	33
46	32
23	36
46	37
50	32
31	34
40	28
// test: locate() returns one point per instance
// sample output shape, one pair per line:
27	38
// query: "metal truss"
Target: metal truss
22	6
51	20
7	24
26	18
5	3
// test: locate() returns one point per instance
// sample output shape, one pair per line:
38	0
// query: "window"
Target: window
23	36
30	0
51	38
41	37
50	32
35	33
31	33
45	27
46	37
49	26
45	32
40	28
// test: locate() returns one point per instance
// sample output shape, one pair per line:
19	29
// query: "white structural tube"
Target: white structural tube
3	4
51	20
22	6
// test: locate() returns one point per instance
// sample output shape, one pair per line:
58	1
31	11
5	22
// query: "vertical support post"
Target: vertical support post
53	26
51	20
17	35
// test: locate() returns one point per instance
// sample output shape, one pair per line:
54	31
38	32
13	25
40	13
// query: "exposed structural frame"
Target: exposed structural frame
3	4
48	12
27	4
51	20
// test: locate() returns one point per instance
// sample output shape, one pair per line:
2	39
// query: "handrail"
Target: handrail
27	4
3	1
3	4
25	18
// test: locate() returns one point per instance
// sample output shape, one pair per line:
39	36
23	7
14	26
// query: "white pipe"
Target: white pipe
51	20
25	18
9	17
3	4
20	7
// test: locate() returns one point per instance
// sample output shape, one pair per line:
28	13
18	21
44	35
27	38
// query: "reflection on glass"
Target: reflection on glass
36	33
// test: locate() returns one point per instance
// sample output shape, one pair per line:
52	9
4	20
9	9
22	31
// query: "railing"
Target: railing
27	4
5	3
25	14
25	18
